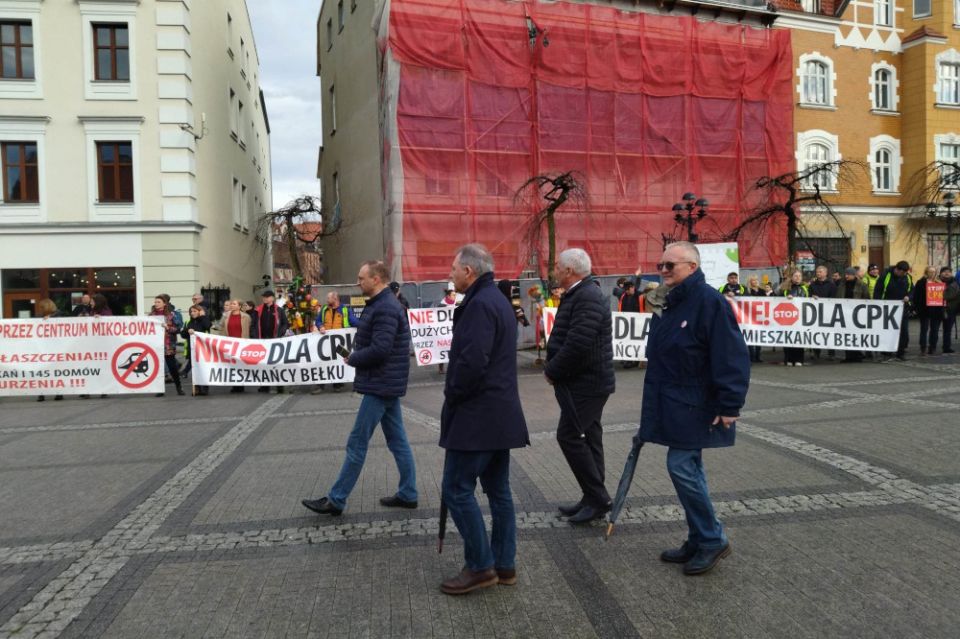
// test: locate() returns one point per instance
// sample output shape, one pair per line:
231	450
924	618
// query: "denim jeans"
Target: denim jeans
374	410
686	472
460	472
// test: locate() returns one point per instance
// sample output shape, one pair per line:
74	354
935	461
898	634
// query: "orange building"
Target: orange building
877	82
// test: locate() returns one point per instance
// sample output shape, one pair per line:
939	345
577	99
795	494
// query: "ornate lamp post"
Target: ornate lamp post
690	202
933	210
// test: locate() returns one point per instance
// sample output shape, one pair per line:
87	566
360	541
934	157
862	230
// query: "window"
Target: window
340	16
810	6
885	163
329	34
948	81
883	83
244	209
883	13
240	123
948	152
235	200
21	182
111	52
816	148
115	171
336	188
333	111
921	8
16	50
883	170
243	58
353	5
816	87
229	35
233	113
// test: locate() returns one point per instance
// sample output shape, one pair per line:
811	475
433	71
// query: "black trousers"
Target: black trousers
583	450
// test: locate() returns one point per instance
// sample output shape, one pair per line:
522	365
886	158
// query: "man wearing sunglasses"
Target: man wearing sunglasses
698	371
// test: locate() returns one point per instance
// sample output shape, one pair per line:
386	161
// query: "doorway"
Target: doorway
20	305
876	242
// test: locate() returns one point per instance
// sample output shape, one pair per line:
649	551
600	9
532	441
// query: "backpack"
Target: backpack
178	319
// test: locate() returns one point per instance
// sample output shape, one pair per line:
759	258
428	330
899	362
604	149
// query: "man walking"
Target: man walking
381	357
580	368
896	284
698	372
480	422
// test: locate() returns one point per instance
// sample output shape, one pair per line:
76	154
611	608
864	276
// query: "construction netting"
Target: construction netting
479	96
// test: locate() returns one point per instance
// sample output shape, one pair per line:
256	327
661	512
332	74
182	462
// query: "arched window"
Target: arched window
815	83
816	154
882	86
883	170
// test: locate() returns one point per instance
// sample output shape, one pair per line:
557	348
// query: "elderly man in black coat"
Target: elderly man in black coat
698	372
480	422
580	368
381	357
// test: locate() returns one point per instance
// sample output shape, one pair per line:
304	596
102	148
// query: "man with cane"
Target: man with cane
696	383
580	368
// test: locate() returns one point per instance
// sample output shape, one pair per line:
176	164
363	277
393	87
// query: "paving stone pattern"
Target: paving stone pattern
841	500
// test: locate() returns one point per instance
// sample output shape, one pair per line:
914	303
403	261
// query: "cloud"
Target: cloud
286	45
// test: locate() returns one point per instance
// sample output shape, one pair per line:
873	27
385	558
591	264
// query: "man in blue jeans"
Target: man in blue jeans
480	422
698	372
381	357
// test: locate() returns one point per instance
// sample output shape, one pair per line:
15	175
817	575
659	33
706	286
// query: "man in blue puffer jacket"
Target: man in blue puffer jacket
696	383
381	357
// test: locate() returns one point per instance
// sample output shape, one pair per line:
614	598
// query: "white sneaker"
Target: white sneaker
799	364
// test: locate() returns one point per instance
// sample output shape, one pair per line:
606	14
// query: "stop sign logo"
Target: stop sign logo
786	314
253	354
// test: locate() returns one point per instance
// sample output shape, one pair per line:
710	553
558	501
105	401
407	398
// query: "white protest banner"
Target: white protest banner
629	333
288	361
431	330
845	325
81	356
719	260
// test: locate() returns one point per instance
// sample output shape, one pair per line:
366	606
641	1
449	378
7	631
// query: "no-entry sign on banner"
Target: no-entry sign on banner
844	325
431	330
81	355
288	361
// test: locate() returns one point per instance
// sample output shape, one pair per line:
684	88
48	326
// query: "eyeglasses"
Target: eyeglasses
669	266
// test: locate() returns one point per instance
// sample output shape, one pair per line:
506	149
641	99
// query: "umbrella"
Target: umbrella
625	480
442	532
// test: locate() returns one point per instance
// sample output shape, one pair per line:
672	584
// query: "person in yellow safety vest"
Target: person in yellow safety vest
332	315
733	287
871	278
556	292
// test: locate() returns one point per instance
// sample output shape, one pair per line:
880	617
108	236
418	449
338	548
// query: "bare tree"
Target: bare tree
796	199
300	221
925	193
549	193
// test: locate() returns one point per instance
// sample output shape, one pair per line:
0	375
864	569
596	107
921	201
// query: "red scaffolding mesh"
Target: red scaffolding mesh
644	107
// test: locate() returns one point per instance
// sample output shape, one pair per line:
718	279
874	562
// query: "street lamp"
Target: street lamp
690	218
934	211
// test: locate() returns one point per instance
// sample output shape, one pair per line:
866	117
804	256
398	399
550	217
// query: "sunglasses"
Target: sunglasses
669	266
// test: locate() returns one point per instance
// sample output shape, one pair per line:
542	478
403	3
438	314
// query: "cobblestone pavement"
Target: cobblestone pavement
141	517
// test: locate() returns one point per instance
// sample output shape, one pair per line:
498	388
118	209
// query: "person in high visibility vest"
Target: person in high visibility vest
733	287
871	278
791	289
332	315
897	284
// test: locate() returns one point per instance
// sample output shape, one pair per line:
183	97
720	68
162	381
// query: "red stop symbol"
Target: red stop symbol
253	354
786	314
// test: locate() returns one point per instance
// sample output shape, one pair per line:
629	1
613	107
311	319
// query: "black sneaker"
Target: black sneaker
680	555
322	506
395	502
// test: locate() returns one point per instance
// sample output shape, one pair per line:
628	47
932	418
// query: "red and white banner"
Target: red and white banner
299	360
431	331
81	356
630	332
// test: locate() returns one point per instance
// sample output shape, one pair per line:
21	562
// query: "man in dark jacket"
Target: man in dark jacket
268	321
822	287
951	299
931	315
381	357
480	422
580	368
896	284
698	372
853	288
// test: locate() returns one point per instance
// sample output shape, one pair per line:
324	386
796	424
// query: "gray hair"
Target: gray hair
577	260
476	257
689	248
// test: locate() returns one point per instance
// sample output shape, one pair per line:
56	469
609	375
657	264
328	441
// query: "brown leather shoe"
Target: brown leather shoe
506	576
468	581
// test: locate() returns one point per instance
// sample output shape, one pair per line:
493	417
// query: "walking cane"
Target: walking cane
442	531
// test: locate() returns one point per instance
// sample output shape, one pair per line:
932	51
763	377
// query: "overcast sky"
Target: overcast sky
285	40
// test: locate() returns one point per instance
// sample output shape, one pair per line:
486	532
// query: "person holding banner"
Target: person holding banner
235	323
162	309
47	308
697	378
481	420
580	369
928	303
269	322
951	301
381	357
896	284
794	287
853	288
199	323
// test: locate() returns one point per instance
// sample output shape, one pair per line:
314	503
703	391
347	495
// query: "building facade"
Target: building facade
135	148
875	81
878	82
